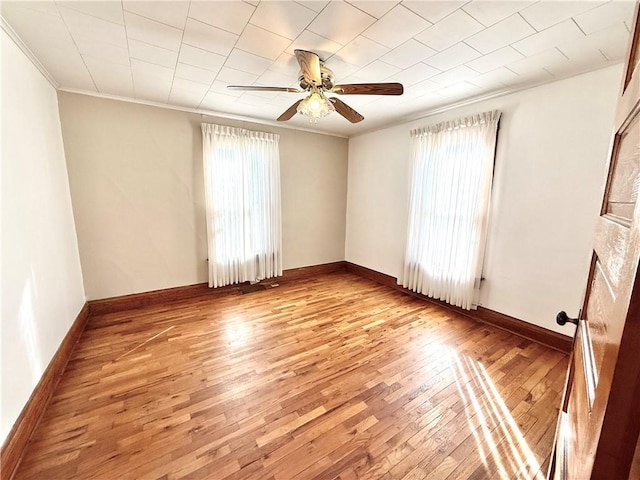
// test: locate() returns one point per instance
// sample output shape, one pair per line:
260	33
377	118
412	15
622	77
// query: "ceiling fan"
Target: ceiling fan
317	79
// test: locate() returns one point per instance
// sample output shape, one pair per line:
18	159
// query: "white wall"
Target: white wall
42	289
549	175
137	187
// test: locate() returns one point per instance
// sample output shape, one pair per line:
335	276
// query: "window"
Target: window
242	190
452	171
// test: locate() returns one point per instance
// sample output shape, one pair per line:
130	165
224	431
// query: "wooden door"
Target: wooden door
600	416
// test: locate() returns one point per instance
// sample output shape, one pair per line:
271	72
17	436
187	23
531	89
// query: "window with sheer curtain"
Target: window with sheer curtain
242	198
452	172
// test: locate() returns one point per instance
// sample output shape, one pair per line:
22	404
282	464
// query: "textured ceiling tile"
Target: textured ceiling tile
87	26
276	79
495	59
540	15
236	77
341	22
185	98
496	78
169	13
605	16
452	57
361	51
287	19
216	101
375	9
454	75
105	51
489	12
247	62
152	54
70	71
453	29
546	39
286	64
396	27
434	11
531	65
612	42
201	58
377	71
221	87
459	90
501	34
407	54
150	31
230	16
110	78
151	82
340	68
195	74
105	10
262	42
185	84
414	74
206	37
315	43
314	5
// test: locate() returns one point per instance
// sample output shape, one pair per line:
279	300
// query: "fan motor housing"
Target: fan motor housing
326	75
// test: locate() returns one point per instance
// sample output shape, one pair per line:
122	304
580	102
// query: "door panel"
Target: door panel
599	425
611	239
600	307
623	189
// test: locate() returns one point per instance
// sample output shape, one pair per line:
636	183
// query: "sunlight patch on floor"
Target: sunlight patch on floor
497	435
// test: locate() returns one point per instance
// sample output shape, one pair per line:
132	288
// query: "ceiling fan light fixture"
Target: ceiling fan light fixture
316	105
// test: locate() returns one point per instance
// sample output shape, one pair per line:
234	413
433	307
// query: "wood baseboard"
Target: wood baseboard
304	273
16	442
518	327
155	297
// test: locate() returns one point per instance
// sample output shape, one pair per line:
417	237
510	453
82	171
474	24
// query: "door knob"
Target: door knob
562	318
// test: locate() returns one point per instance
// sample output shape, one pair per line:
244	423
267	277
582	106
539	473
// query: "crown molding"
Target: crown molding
198	111
8	29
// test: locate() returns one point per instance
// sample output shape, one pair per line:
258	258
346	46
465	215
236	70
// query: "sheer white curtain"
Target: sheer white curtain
242	193
452	171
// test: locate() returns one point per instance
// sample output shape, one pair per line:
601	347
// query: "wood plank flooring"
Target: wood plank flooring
335	377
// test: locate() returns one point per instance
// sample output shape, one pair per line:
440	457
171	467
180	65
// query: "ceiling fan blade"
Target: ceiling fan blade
346	111
258	88
310	66
369	89
289	112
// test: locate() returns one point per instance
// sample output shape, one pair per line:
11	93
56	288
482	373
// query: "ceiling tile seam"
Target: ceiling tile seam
439	20
149	18
303	30
226	58
88	14
126	34
220	28
527	22
481	23
579	28
175	67
359	33
13	35
367	13
76	45
561	52
367	64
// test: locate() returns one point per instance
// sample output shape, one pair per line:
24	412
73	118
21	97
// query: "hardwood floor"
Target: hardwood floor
336	377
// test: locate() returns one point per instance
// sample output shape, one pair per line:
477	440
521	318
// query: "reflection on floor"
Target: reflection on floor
335	377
